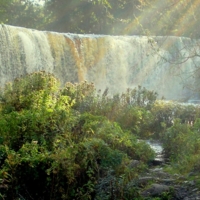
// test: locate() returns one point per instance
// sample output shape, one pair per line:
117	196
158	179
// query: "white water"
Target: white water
116	62
156	146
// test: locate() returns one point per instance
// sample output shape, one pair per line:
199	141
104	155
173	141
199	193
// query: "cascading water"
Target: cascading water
116	62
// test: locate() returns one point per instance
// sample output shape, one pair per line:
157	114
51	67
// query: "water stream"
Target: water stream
158	148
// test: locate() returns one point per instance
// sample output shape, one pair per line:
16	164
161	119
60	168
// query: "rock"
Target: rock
157	169
160	174
191	183
195	190
143	181
155	190
167	180
134	163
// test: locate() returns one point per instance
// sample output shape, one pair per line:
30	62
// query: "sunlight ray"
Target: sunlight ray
184	23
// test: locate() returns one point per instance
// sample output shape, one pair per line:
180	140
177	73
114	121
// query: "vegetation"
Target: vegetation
76	143
124	17
55	140
177	126
23	13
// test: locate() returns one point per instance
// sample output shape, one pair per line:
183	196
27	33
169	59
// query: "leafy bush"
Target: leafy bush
130	110
35	90
166	112
63	141
182	145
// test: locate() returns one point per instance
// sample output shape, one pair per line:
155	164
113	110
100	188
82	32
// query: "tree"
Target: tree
170	17
78	16
3	9
23	13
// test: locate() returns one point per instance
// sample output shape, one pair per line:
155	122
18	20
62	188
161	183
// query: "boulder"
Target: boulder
155	190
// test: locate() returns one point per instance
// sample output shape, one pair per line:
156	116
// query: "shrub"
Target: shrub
182	146
56	140
165	113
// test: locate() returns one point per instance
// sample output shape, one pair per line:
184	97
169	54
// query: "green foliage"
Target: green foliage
76	143
182	146
125	17
23	13
117	17
34	90
63	142
130	109
175	139
112	187
165	114
85	16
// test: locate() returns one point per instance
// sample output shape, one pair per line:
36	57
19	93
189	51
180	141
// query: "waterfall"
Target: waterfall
114	62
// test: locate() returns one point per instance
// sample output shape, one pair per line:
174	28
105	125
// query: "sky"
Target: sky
40	2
